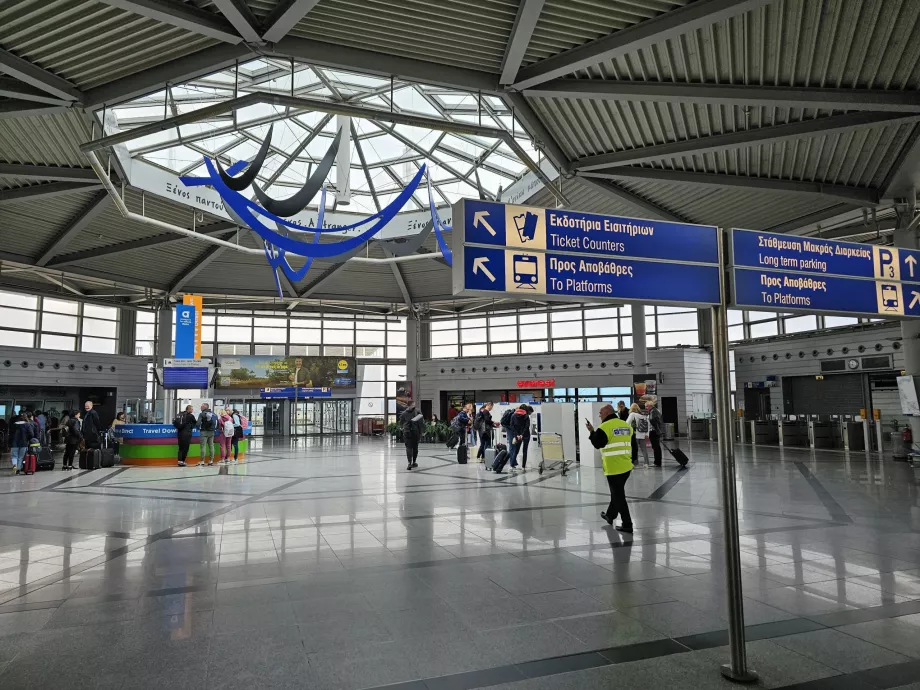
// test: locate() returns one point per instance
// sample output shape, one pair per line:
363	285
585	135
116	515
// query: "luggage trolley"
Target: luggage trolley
553	455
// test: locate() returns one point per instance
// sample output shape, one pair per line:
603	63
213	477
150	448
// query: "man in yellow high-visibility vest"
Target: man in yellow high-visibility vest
614	440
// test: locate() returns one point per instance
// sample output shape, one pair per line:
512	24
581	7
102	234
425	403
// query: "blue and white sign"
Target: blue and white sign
812	255
791	273
185	331
288	393
791	292
178	378
529	251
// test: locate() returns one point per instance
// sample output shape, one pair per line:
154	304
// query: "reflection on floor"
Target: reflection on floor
326	564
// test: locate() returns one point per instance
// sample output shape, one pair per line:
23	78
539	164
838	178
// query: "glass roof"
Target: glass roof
384	156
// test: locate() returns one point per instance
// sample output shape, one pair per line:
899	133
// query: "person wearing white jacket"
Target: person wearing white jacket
639	423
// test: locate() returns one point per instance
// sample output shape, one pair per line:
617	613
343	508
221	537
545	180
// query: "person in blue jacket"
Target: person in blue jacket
20	436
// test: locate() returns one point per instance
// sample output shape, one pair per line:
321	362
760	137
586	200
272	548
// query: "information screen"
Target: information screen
185	377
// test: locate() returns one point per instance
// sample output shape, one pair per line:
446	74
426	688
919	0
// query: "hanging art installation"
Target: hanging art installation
285	239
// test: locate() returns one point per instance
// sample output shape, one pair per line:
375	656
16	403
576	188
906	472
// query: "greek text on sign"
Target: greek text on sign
527	251
812	255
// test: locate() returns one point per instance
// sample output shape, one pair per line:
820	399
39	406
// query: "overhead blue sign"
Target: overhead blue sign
547	229
288	393
185	331
812	255
529	251
790	292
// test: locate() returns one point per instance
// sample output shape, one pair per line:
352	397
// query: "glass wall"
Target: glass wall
56	324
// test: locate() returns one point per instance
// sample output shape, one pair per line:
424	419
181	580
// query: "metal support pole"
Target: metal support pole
737	670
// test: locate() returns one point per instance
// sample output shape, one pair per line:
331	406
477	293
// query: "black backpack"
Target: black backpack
506	418
206	423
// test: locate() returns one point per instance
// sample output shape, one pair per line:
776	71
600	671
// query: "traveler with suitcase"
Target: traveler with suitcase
73	437
30	461
412	424
185	424
20	435
459	427
612	438
207	424
484	425
92	427
240	422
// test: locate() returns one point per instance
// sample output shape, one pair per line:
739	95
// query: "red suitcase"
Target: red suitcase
29	463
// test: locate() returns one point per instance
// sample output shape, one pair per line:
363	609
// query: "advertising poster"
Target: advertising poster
645	389
271	371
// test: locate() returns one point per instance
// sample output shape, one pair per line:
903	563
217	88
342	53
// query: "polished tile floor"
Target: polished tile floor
328	565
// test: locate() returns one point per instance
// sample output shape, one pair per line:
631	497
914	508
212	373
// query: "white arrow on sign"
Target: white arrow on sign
479	264
480	218
915	300
911	262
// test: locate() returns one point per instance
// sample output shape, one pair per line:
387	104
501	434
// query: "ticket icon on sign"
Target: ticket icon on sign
526	226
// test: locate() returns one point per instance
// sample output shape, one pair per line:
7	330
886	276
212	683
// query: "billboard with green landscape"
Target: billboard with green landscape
272	371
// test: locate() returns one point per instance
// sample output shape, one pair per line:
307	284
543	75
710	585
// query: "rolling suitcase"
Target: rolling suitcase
29	463
679	455
107	453
501	459
463	454
90	459
489	456
45	459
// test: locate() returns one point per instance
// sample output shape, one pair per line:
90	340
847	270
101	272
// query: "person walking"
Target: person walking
485	425
20	436
655	429
612	438
413	426
73	437
639	424
225	438
185	425
207	424
519	429
92	426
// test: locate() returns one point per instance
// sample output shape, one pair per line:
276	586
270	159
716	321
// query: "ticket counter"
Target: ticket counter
154	445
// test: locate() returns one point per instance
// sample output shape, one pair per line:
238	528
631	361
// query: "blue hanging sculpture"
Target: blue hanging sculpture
279	242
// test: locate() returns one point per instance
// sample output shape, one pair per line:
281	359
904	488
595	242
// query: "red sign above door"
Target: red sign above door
536	383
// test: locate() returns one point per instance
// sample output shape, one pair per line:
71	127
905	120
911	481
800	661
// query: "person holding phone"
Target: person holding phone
613	438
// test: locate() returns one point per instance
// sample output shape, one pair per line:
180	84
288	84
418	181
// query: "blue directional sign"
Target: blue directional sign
812	255
288	393
536	229
791	273
527	251
791	292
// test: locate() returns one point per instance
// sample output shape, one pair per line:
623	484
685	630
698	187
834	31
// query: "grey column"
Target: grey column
164	350
640	348
127	331
413	327
910	329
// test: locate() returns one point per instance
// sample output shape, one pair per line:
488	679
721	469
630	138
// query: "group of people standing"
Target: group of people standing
226	427
646	423
80	428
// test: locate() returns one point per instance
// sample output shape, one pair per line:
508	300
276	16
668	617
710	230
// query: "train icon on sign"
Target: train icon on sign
890	298
526	273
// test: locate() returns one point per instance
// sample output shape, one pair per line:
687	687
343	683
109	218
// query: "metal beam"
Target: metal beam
183	15
719	142
731	94
42	79
285	17
13	88
224	229
683	20
196	266
857	195
400	281
99	203
49	189
241	17
372	62
542	138
10	109
48	172
181	70
524	24
904	176
810	218
632	199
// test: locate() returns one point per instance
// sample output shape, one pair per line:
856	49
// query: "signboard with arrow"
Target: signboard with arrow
556	253
791	273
